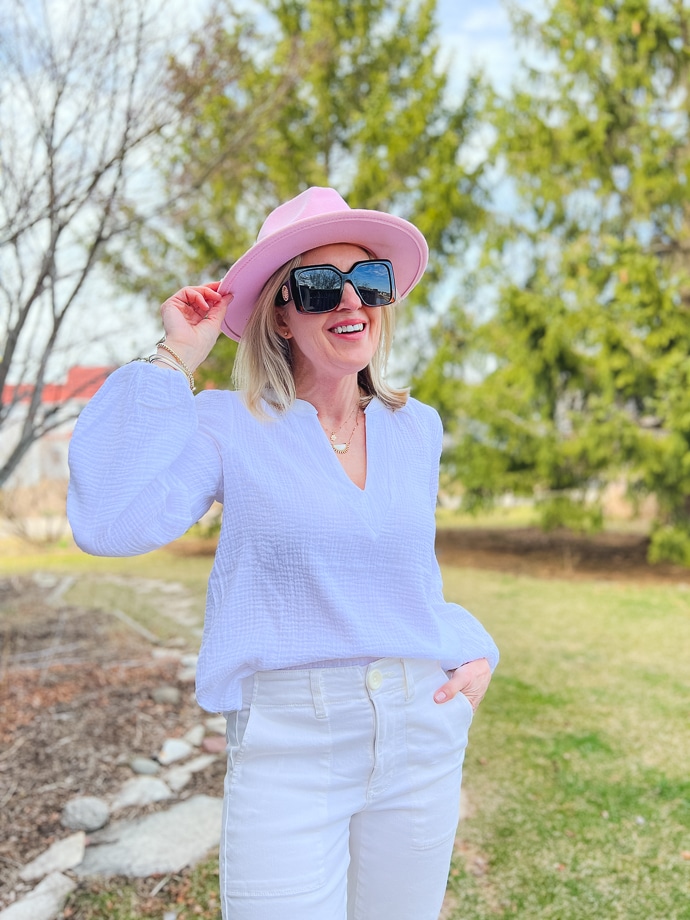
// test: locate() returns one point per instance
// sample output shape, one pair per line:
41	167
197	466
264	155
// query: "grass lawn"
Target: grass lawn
576	780
577	787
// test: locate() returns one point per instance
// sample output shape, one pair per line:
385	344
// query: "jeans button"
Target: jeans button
374	679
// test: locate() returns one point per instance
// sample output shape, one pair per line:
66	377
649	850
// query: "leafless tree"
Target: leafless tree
82	103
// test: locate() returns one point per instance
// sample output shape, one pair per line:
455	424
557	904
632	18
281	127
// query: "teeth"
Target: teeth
357	327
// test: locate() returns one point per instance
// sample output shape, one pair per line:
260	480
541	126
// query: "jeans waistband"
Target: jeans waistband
329	686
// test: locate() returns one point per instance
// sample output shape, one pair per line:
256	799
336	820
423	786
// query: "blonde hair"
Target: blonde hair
263	366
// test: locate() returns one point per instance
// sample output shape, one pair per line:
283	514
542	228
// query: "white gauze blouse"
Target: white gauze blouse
309	567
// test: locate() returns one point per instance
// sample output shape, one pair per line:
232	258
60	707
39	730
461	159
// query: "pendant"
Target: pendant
340	448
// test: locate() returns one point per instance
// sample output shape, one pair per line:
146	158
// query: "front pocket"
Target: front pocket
463	700
275	803
436	739
235	733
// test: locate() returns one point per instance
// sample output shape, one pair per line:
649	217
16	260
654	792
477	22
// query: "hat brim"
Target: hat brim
384	235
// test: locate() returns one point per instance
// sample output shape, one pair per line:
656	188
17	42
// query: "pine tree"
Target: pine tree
584	358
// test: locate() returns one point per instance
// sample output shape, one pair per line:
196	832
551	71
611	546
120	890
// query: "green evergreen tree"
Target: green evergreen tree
309	92
584	371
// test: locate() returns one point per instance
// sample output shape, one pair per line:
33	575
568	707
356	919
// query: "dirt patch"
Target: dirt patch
559	554
76	686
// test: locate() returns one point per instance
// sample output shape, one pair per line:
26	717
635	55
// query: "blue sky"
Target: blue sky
477	32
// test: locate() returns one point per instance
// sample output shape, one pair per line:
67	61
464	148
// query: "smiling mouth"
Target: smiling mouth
351	327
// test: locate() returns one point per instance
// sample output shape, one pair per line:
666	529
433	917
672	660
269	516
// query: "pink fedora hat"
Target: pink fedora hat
318	217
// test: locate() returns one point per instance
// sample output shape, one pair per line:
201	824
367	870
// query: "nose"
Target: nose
350	299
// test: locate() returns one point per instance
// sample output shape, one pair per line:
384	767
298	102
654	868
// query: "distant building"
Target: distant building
46	459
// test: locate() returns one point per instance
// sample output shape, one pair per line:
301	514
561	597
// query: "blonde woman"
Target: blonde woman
348	682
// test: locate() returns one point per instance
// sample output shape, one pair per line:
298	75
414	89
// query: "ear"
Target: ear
282	325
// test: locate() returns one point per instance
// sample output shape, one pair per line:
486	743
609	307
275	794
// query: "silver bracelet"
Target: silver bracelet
173	365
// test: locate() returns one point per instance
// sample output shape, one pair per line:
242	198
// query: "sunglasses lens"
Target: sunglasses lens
319	289
374	283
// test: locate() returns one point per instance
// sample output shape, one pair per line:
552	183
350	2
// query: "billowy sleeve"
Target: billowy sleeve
144	465
476	641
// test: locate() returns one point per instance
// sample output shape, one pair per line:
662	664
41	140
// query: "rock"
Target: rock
156	844
216	724
189	661
214	744
85	813
174	749
144	766
45	579
44	902
178	777
200	763
142	790
60	589
195	735
186	675
169	587
63	854
166	694
173	654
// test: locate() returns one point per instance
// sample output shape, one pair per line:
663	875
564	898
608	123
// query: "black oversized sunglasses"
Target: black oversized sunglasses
319	288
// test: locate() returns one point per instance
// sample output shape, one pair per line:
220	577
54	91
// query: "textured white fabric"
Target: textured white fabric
309	567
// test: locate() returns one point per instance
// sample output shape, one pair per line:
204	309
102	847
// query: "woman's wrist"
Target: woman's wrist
167	357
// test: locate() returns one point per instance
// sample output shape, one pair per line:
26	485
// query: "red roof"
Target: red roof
81	384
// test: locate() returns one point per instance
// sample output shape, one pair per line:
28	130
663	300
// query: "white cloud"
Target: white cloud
477	35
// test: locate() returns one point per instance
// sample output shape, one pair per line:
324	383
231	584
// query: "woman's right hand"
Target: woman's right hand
191	319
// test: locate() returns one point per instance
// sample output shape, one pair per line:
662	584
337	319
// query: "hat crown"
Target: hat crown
313	202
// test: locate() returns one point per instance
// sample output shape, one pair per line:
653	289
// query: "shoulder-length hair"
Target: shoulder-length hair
263	365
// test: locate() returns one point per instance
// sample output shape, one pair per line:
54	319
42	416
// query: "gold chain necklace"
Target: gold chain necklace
343	447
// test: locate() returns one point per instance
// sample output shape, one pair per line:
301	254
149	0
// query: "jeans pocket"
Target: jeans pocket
275	803
437	739
465	702
235	733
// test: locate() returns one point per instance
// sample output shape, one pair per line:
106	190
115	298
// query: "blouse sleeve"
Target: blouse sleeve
143	464
476	641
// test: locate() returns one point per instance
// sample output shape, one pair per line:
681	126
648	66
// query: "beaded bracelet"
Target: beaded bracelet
179	365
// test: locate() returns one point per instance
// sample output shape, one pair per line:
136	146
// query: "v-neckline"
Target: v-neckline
305	407
371	503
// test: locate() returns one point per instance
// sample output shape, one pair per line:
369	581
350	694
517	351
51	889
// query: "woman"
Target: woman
348	682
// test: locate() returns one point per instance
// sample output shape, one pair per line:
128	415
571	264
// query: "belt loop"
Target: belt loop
317	692
409	680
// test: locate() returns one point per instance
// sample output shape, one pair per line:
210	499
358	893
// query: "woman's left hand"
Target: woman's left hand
472	679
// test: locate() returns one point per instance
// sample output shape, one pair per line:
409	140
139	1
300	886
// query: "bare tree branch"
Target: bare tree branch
82	98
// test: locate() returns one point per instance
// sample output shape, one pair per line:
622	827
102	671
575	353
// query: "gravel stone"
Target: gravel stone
166	694
63	854
174	749
85	813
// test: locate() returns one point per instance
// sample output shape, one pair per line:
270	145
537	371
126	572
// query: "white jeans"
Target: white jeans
342	794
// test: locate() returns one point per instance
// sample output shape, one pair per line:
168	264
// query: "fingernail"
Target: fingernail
441	696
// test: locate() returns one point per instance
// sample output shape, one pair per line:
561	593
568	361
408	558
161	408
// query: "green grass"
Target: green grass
577	774
577	787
